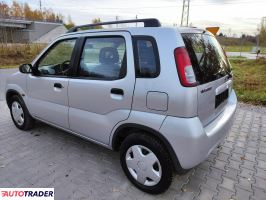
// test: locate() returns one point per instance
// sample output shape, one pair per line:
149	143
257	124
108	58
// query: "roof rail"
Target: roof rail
149	22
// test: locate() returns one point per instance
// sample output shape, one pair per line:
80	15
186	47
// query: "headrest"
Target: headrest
108	55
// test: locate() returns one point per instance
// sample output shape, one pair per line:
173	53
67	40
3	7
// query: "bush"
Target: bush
15	54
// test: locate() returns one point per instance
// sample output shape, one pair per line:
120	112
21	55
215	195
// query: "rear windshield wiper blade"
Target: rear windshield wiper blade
228	73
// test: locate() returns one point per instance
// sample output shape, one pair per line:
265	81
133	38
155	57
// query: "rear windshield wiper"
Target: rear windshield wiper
228	73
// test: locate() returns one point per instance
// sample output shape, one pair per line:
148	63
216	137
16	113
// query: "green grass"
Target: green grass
237	57
250	80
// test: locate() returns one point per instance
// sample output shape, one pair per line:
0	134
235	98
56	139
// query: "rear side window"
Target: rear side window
103	58
207	57
147	62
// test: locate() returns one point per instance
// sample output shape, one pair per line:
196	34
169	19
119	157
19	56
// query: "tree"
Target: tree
17	10
262	34
95	21
28	14
4	9
69	23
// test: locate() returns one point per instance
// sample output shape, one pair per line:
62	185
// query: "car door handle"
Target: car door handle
58	85
117	91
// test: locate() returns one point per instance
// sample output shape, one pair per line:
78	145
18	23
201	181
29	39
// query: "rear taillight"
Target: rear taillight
184	67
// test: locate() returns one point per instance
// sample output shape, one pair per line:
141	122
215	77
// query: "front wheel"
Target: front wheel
146	163
20	114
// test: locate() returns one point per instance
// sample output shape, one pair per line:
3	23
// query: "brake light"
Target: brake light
184	67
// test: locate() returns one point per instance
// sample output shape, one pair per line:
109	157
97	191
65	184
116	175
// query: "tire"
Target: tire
138	165
22	118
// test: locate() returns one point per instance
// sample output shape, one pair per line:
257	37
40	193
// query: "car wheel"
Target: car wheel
146	163
20	114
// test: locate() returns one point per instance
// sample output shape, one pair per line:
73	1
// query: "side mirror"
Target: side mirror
25	68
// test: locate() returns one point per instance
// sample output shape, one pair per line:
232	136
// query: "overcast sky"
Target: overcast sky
233	16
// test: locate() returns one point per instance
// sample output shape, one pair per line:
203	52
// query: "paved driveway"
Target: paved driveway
48	157
78	169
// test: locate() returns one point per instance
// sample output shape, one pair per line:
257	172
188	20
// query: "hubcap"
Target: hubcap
17	113
143	165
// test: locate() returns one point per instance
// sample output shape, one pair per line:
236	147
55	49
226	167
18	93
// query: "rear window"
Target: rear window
207	57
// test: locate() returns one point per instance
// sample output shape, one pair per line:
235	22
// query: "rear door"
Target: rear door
101	94
212	71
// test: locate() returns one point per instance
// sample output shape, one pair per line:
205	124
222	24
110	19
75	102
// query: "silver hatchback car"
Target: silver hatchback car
161	96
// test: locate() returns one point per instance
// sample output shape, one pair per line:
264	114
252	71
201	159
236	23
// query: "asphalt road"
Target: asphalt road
247	55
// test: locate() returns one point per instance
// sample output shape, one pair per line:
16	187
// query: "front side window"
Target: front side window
57	59
103	58
146	57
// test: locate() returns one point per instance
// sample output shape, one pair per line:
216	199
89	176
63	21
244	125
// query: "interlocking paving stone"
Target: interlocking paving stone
258	194
216	173
231	173
246	173
224	194
260	183
78	169
212	183
206	194
242	194
228	184
261	173
245	183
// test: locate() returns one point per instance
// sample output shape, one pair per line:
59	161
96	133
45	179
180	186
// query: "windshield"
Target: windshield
207	57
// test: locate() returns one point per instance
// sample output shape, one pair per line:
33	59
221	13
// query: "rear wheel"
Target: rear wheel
146	163
20	114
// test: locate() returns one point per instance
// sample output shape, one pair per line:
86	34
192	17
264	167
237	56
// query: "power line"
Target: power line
40	5
174	6
192	5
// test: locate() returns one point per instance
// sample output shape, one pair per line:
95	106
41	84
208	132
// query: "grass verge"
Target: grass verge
8	66
15	54
250	80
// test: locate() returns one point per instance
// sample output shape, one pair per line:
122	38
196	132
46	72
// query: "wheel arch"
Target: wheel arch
125	130
9	94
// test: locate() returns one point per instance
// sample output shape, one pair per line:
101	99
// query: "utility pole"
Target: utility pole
263	24
241	44
40	5
185	13
264	21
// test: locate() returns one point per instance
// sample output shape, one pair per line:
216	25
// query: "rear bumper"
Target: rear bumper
191	142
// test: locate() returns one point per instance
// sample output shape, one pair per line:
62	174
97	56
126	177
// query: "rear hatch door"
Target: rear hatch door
212	71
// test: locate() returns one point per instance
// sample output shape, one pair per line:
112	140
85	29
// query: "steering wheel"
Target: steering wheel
64	67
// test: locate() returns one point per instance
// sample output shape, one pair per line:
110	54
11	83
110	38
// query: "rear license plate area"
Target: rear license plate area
220	98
